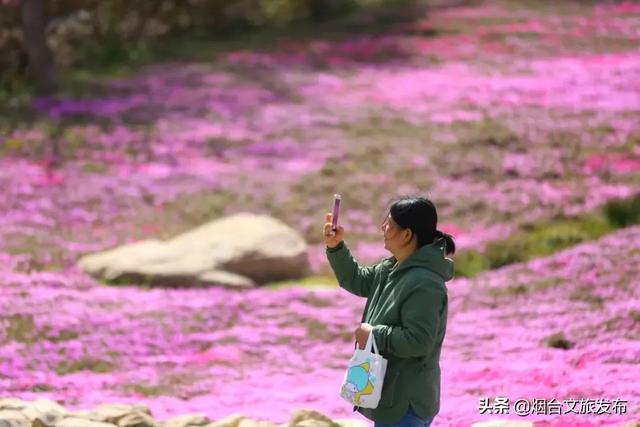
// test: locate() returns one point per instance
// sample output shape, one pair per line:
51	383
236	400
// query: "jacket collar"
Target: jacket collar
431	257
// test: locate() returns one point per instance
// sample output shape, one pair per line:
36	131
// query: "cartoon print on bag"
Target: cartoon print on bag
358	382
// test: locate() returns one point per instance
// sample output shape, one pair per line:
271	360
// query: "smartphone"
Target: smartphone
336	212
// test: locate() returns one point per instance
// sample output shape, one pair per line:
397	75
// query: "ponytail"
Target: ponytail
449	243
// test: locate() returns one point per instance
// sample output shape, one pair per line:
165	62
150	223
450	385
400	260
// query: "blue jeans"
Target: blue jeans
410	419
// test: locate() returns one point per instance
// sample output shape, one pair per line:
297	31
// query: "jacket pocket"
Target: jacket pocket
389	386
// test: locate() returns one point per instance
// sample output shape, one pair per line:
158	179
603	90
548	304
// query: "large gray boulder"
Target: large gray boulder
243	250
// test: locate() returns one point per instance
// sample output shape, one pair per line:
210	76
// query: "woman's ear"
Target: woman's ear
408	235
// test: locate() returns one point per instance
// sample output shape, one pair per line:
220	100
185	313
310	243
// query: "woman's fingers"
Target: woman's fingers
331	237
327	226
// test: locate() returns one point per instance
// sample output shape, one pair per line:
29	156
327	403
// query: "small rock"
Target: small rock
136	419
13	403
80	414
112	412
81	422
351	422
226	279
185	420
13	418
39	419
247	422
44	413
310	418
230	421
313	423
46	405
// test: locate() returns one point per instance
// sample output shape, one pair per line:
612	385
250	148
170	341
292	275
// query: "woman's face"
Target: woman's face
394	236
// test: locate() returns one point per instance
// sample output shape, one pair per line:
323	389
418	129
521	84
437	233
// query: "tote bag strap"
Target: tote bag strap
371	342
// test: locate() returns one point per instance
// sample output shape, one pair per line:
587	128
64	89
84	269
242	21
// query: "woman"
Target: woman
406	308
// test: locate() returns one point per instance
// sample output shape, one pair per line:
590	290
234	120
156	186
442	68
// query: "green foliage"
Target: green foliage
85	363
545	238
470	263
107	32
623	212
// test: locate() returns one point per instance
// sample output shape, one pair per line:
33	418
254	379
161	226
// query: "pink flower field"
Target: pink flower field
265	353
504	115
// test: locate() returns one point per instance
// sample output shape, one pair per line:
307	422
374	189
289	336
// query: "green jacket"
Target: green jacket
407	305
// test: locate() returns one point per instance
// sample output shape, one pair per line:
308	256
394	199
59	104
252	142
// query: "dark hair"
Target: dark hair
419	215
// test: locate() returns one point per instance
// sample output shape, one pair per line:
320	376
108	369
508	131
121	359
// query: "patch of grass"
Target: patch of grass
148	390
63	335
599	44
172	383
545	238
623	212
95	168
522	289
307	282
537	240
545	7
585	295
37	247
487	132
204	346
497	36
316	301
188	211
42	387
317	330
469	263
21	328
85	363
384	126
470	23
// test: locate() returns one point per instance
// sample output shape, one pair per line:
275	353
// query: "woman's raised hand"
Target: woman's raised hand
331	238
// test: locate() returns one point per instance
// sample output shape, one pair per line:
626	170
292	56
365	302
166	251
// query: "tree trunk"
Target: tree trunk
42	67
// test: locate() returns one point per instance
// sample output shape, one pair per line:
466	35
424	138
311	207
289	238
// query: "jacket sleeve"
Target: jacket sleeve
351	276
420	323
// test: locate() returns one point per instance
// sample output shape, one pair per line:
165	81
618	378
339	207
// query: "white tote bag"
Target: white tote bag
362	385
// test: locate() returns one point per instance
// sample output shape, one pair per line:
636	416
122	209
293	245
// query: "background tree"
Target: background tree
41	65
